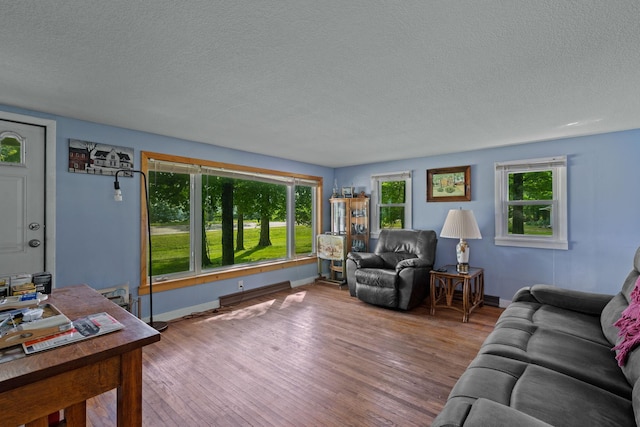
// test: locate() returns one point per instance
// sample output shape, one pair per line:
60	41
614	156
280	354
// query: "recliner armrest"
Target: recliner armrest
584	302
366	259
413	263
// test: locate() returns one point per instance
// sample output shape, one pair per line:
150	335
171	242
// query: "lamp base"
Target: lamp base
159	326
462	267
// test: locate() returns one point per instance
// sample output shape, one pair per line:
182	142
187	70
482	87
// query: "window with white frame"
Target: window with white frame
531	203
390	201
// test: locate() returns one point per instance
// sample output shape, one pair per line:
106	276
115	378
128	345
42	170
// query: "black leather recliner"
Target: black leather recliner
396	275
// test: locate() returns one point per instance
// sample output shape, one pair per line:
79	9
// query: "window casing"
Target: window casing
531	203
208	220
390	201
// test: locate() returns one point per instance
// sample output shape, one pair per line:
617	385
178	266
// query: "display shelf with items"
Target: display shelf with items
350	229
350	217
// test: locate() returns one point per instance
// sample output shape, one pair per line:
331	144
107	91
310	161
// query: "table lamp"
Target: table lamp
461	224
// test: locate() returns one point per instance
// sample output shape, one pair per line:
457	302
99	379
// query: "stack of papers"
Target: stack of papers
83	328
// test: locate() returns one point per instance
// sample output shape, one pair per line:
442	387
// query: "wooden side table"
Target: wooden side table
444	283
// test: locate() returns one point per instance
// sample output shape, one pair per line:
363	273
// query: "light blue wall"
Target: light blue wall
604	212
98	240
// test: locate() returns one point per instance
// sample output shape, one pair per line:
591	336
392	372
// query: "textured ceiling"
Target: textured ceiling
336	82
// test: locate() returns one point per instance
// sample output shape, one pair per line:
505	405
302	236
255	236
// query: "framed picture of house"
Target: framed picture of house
449	184
99	159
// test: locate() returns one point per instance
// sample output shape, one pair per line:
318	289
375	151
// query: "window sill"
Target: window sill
230	273
532	242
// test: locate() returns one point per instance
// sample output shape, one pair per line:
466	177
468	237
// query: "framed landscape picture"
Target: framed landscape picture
449	184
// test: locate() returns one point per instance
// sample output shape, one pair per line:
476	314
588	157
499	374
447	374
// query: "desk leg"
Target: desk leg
130	390
76	415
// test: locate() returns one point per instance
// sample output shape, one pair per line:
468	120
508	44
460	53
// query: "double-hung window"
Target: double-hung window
211	220
531	203
391	201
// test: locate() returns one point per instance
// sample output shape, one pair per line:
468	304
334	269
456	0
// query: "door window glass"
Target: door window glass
11	148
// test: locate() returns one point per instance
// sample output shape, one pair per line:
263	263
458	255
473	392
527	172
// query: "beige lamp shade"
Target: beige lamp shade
461	224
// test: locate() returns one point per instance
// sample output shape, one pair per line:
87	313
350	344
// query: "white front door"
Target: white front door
22	198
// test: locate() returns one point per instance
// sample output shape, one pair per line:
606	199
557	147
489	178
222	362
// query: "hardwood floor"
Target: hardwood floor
309	356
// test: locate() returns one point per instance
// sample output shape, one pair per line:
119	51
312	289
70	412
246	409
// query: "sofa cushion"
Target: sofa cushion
631	369
559	399
555	318
570	322
487	413
583	359
635	399
549	396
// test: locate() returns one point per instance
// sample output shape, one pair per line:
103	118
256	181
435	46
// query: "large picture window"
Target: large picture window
222	220
391	201
531	203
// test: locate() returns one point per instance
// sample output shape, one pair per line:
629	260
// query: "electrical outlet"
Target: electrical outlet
241	285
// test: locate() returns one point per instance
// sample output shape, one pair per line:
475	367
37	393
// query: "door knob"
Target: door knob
34	226
34	243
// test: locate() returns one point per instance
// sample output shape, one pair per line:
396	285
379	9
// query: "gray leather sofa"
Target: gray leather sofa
396	275
549	361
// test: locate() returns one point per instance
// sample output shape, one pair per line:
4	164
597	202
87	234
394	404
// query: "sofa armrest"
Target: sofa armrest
584	302
366	260
524	295
413	263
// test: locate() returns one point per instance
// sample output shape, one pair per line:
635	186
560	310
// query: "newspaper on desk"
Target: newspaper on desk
83	328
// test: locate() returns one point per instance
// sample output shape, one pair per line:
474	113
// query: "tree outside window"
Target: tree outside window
528	219
391	201
392	204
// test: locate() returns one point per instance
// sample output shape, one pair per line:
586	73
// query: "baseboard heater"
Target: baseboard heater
490	300
237	297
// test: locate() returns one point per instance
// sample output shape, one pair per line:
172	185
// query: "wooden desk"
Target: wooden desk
444	283
65	377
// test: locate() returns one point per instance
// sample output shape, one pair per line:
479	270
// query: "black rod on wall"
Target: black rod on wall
158	325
